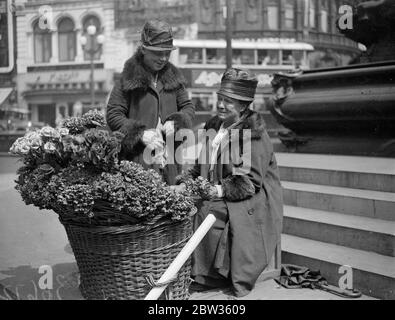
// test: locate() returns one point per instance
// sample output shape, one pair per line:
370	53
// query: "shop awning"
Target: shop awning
4	94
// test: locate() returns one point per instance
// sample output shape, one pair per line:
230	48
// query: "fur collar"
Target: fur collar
136	76
254	122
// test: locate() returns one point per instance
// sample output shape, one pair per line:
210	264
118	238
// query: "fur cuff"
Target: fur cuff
133	131
181	121
238	188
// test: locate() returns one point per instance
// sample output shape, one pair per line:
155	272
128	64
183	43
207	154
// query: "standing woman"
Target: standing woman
150	99
245	194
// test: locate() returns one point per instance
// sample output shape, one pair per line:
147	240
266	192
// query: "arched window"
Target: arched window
67	40
42	43
91	20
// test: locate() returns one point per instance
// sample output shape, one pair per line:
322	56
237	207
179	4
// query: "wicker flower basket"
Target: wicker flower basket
124	262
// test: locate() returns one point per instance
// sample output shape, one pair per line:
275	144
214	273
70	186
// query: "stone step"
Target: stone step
371	204
350	231
373	274
342	171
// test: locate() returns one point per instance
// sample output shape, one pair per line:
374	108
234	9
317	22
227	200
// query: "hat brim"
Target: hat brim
234	96
152	48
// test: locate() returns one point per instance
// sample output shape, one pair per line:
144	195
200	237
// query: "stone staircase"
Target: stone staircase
341	211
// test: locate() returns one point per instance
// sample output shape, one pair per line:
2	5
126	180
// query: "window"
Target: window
312	14
290	14
67	40
243	56
42	44
203	102
272	15
324	16
268	57
191	56
216	56
292	57
92	20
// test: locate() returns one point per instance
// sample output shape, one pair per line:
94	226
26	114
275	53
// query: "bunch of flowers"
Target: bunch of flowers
74	170
199	187
42	147
91	119
141	194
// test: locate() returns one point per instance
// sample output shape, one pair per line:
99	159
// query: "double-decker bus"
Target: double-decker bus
204	61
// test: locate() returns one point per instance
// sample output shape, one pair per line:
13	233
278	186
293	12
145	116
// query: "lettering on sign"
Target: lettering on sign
58	77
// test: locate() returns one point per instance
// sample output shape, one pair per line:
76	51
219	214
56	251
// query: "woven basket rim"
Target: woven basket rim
94	229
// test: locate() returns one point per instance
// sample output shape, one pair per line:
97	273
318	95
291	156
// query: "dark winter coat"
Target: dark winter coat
136	105
249	218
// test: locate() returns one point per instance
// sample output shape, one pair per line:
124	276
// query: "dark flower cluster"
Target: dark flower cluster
33	186
73	191
199	187
141	193
94	147
91	119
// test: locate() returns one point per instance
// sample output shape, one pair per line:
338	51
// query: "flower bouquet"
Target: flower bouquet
123	222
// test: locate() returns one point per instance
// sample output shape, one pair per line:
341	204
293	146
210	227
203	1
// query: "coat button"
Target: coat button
251	212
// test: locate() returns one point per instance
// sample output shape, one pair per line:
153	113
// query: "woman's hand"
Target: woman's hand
168	128
152	140
213	192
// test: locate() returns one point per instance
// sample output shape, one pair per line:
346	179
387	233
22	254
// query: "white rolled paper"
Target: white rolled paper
182	257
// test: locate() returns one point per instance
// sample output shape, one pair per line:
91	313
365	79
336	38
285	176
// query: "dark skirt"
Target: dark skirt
211	259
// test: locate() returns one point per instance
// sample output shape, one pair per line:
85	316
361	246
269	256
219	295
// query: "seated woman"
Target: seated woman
245	193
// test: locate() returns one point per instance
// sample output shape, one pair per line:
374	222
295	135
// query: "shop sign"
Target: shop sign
58	77
72	76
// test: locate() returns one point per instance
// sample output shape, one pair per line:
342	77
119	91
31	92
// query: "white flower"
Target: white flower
50	147
33	135
49	132
63	131
20	147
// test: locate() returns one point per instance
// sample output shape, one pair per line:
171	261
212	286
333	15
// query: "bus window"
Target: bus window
216	56
191	56
203	102
268	57
299	57
243	56
293	57
288	58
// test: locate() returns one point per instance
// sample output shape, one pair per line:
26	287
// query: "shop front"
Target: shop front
51	96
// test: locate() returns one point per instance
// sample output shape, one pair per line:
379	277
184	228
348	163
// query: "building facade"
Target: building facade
7	57
54	71
310	21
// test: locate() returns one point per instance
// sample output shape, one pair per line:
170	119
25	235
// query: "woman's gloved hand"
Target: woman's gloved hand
152	139
168	128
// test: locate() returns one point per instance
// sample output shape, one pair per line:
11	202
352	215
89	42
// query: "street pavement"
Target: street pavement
37	263
31	239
